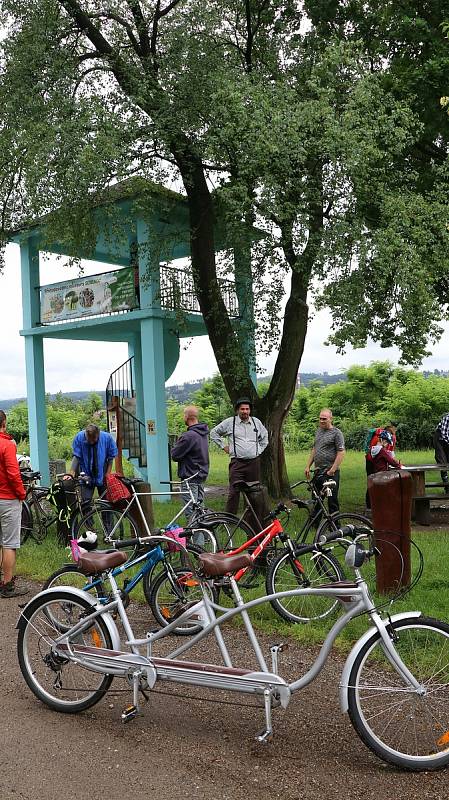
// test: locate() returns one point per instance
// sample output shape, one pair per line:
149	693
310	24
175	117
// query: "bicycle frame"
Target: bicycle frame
134	499
145	669
316	515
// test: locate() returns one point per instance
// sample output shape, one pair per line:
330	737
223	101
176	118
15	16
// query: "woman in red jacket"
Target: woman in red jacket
12	493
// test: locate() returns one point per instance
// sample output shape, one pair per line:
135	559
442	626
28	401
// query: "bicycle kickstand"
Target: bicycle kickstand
131	711
266	736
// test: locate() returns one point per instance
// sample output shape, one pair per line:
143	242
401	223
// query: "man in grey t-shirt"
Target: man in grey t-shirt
327	454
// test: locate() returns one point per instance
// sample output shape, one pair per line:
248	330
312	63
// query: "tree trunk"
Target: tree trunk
274	468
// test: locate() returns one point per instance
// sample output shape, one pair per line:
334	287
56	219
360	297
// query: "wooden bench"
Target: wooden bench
421	497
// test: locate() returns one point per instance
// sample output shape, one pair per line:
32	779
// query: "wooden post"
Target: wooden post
391	501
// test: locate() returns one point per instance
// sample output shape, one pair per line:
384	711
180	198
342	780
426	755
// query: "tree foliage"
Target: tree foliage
323	129
65	417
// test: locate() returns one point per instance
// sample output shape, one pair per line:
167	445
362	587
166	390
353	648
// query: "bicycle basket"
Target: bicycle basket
116	490
176	534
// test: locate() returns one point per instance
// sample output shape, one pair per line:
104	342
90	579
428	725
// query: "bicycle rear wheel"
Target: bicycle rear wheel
403	726
229	531
302	571
110	525
49	672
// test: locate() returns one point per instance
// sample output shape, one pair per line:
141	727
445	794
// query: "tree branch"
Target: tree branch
121	21
141	26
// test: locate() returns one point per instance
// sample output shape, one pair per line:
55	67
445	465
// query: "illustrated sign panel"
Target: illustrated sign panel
89	295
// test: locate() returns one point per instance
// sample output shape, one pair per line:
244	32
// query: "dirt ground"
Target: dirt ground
189	747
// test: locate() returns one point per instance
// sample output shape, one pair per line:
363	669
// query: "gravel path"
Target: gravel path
190	748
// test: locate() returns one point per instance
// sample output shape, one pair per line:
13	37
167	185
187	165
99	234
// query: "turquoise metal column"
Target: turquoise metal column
34	359
155	417
152	365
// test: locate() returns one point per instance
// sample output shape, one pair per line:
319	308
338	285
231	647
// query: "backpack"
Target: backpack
368	439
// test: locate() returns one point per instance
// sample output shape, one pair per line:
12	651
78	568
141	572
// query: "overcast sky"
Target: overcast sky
77	366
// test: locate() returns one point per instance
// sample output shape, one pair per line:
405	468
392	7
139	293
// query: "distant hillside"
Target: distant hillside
76	396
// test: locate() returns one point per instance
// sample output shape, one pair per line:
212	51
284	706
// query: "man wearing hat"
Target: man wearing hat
244	438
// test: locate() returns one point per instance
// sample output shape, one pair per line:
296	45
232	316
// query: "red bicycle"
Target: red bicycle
295	566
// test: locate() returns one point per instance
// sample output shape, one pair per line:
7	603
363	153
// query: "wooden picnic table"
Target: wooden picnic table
422	498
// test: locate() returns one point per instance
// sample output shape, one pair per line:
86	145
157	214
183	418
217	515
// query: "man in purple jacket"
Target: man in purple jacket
191	451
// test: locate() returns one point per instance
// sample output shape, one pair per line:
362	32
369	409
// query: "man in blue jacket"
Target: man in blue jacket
191	451
93	453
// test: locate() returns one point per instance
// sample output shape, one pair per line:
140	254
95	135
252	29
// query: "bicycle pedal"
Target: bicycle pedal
129	713
264	737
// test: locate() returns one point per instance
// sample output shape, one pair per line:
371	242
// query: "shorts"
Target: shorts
10	522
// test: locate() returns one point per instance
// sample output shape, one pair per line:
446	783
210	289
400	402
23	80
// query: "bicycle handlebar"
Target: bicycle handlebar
341	533
351	531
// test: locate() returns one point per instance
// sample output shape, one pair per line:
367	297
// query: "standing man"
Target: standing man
93	453
327	454
441	444
12	492
191	451
246	439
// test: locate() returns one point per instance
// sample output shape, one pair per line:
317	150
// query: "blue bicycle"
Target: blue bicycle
153	563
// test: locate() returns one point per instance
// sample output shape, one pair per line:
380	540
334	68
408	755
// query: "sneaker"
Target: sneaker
11	590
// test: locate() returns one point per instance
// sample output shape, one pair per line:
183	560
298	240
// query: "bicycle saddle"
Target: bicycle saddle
215	564
29	476
91	563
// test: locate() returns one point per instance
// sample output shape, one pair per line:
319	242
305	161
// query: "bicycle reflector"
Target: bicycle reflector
443	740
96	638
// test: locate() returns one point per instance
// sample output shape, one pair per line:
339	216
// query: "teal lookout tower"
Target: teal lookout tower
148	301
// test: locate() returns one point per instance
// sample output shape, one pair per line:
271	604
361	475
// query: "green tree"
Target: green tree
307	131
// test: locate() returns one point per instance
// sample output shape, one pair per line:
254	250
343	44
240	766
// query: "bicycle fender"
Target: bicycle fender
107	619
344	680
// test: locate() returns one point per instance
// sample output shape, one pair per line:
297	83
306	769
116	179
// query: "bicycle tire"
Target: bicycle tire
26	523
229	531
165	602
41	665
76	580
102	519
411	716
177	560
339	520
283	575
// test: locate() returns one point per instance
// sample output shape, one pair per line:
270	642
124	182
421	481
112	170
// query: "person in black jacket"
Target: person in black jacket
191	451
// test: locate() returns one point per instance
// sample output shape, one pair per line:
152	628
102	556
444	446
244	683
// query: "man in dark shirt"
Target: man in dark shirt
192	454
327	454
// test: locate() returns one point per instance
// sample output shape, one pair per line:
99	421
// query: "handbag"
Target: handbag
116	490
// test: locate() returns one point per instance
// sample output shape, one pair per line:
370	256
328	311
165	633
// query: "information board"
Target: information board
88	296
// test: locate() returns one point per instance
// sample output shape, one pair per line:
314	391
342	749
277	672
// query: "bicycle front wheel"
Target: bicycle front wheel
49	672
302	571
69	575
26	523
403	726
171	594
110	525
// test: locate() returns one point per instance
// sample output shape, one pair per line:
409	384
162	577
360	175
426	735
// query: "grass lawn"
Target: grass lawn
431	595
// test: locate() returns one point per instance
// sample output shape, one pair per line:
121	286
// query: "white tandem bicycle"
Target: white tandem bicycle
394	685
